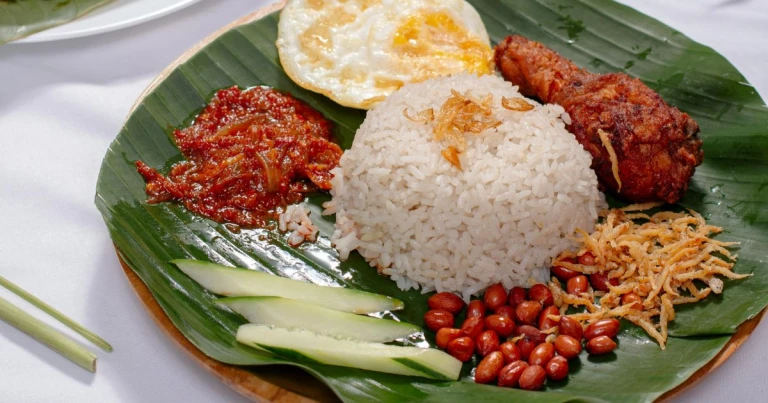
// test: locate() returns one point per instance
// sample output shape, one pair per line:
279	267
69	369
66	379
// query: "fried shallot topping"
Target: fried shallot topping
516	104
461	114
427	115
663	258
451	154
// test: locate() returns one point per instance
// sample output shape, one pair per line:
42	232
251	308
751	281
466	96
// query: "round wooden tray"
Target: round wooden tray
290	384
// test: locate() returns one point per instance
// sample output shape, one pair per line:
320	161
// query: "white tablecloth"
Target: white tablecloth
62	103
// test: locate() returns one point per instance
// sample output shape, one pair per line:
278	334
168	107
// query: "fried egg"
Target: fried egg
357	52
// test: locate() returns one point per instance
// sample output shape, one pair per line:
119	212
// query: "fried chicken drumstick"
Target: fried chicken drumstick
656	145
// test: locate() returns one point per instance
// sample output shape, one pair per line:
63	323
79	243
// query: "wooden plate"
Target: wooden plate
290	384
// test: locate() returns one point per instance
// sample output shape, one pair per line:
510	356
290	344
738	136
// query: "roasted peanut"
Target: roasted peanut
562	273
495	296
510	352
476	309
526	346
461	348
502	325
446	334
544	321
541	294
530	333
571	327
577	285
634	299
541	354
587	259
509	376
600	345
487	342
603	327
472	327
533	378
437	319
516	296
488	369
557	368
567	346
528	312
446	301
600	281
505	310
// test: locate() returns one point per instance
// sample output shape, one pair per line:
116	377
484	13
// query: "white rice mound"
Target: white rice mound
525	187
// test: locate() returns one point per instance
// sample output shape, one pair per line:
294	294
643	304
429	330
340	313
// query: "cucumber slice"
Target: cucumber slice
232	281
313	347
292	314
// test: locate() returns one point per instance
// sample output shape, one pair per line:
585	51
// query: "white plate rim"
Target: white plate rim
47	36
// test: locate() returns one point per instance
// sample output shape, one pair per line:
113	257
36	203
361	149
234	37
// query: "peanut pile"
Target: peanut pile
520	335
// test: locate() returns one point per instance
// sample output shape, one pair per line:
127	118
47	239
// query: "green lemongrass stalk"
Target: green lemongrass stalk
80	329
47	335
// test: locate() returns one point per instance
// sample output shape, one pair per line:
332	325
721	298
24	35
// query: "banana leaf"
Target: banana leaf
20	18
730	189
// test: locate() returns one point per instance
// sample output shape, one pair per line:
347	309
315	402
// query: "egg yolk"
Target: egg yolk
424	38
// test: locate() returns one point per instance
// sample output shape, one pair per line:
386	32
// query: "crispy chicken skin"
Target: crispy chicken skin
656	145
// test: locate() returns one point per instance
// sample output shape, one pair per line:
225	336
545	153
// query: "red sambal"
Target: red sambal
248	153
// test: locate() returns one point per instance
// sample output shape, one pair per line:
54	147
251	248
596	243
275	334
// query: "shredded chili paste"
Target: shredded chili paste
249	154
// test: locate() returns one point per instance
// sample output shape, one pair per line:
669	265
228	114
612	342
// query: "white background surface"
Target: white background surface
62	103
